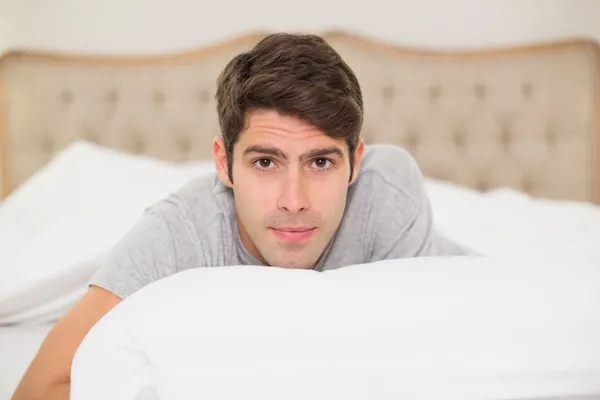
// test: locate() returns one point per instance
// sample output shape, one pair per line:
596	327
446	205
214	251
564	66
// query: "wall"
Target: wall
151	26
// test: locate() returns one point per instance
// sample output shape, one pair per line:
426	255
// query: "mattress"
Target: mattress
18	347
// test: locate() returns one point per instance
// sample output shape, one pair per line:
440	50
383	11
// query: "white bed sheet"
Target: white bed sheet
18	347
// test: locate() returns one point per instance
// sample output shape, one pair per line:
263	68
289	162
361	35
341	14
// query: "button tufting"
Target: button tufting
527	185
184	145
550	137
480	91
204	96
111	96
413	139
459	138
527	89
388	92
435	92
482	185
137	144
67	97
48	144
159	98
505	136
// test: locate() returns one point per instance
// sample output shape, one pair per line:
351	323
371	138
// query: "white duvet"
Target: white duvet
435	328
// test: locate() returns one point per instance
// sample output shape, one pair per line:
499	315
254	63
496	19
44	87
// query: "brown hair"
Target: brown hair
294	74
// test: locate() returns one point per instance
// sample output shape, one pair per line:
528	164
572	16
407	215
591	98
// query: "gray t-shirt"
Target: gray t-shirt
387	216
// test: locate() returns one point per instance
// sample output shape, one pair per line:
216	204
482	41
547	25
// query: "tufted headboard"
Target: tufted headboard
526	117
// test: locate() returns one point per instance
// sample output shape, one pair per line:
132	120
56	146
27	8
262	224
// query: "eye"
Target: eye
264	163
321	163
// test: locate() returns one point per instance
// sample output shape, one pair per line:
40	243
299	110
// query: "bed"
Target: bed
501	135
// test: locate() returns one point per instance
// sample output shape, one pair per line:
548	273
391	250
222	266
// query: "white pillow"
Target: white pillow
414	328
85	178
508	222
70	211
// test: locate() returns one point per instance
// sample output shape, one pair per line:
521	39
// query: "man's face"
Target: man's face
290	186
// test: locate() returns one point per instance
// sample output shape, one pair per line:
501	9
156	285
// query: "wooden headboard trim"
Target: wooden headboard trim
5	180
596	139
252	38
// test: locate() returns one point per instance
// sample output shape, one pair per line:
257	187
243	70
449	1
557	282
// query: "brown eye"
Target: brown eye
321	163
264	163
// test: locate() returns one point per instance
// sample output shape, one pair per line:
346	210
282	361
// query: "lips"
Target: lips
293	233
293	229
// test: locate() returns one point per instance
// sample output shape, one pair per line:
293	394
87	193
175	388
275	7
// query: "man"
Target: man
295	188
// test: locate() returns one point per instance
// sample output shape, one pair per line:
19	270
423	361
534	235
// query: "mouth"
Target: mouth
293	233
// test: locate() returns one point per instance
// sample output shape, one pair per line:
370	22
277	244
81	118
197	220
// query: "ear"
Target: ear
358	153
220	156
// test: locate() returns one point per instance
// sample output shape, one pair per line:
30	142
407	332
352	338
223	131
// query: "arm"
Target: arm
145	254
48	376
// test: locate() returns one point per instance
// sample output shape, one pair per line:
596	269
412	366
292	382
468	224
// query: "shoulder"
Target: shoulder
201	201
390	168
387	208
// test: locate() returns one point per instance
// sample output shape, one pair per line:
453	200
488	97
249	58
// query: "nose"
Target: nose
294	196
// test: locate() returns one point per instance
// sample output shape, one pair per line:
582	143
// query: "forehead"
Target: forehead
289	133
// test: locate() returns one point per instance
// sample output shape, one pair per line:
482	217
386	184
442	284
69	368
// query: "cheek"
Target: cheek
329	196
251	190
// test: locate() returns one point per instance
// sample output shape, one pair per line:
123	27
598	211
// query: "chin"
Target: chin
290	255
291	264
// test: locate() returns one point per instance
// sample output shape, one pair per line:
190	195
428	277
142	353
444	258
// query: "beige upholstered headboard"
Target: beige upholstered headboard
527	117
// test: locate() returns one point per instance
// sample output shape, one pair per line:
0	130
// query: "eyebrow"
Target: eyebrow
272	151
275	152
326	151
